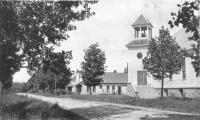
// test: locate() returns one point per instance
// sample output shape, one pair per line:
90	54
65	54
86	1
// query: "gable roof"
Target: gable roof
141	20
111	77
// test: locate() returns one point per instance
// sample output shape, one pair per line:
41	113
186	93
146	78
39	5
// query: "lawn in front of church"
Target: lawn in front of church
172	117
170	103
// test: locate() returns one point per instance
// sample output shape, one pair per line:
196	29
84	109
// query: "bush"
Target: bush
20	107
33	91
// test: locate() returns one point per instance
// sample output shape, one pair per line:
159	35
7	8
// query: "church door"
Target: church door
78	89
141	77
119	90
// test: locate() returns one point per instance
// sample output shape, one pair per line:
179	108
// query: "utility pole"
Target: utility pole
55	83
1	69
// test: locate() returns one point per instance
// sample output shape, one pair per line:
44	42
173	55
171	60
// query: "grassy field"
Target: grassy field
99	112
175	104
14	107
173	117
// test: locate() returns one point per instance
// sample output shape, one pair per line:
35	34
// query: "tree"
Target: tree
56	63
54	73
10	58
44	24
17	87
34	27
39	81
93	66
187	18
165	57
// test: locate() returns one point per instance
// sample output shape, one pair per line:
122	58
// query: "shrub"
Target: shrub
20	107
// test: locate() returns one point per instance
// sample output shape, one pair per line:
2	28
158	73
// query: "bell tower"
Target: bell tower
142	32
142	28
137	50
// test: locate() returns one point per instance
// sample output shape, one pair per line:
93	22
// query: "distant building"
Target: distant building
113	83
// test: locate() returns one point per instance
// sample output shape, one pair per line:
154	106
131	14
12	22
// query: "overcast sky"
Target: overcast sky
111	28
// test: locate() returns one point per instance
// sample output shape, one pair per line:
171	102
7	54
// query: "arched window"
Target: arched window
137	32
144	31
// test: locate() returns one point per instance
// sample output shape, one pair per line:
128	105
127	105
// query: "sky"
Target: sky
111	28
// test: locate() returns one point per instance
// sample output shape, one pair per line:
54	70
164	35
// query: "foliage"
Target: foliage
93	66
54	67
20	107
30	29
17	87
56	63
187	18
10	59
165	56
39	81
45	24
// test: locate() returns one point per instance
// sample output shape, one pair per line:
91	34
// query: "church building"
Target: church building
143	84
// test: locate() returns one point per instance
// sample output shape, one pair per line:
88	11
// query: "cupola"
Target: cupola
142	32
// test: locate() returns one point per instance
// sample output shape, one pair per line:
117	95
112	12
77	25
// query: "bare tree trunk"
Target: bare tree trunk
0	87
90	90
162	84
55	83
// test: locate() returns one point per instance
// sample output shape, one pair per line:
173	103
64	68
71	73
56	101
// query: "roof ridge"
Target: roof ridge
115	73
141	20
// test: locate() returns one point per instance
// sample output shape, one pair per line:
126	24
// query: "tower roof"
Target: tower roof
139	42
141	20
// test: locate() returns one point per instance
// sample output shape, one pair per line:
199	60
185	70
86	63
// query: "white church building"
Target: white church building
184	84
136	81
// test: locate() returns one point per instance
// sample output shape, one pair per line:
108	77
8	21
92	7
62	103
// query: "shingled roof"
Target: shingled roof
139	42
141	20
112	77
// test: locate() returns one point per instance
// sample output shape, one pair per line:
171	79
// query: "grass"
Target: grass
173	117
14	107
174	104
98	112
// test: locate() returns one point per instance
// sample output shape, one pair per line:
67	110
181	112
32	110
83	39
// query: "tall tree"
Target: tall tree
93	66
44	24
165	57
190	21
56	63
10	58
35	27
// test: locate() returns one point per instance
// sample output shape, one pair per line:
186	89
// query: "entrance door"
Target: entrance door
70	89
78	88
119	90
141	77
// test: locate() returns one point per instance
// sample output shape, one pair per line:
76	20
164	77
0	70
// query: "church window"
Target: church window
108	88
143	31
184	70
94	88
137	31
113	89
170	76
139	55
150	32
